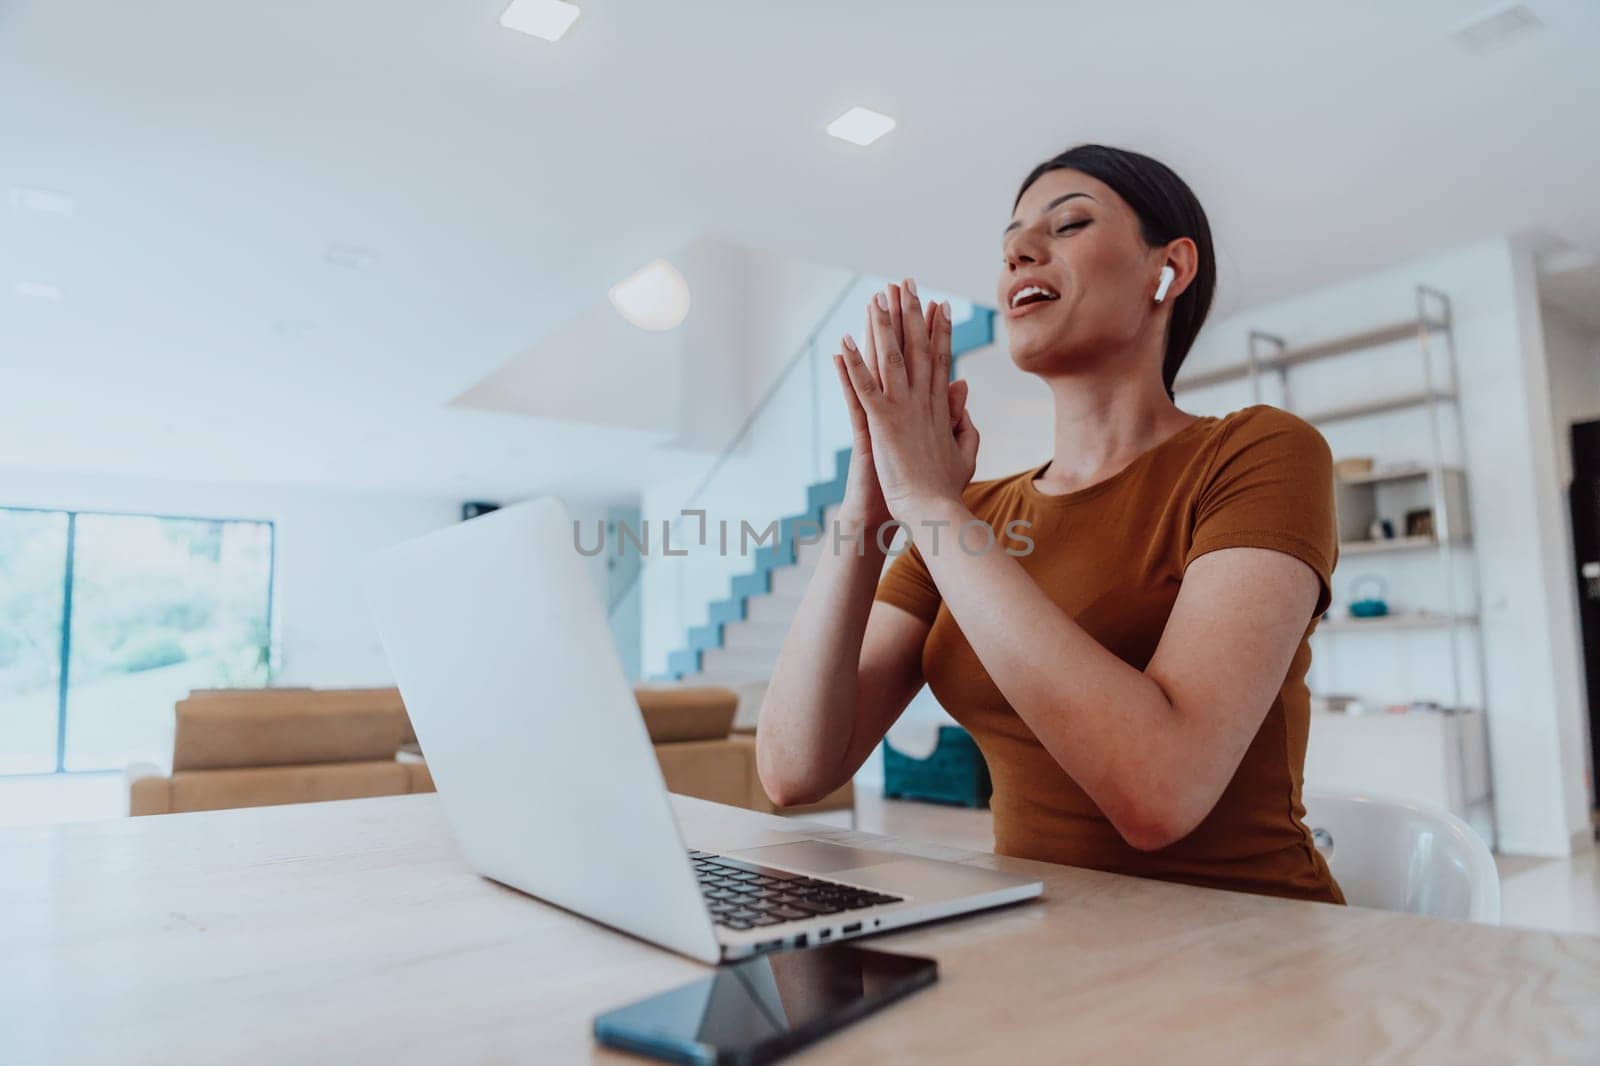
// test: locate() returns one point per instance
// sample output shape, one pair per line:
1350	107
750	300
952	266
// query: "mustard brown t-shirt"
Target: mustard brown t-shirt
1112	556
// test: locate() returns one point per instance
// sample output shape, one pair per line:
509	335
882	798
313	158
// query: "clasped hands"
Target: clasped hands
915	447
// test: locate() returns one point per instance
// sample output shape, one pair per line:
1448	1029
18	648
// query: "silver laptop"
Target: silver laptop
500	646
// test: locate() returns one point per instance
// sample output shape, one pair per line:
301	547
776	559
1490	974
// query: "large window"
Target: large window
107	620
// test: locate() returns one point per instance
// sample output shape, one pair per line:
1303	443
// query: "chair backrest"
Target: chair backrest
1401	856
238	728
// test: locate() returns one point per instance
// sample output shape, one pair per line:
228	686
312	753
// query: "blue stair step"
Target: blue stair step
703	637
756	584
724	611
771	555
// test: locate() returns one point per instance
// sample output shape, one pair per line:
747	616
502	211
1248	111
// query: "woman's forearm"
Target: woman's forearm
809	716
1108	725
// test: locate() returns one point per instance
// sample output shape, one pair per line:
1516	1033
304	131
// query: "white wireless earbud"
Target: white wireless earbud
1167	274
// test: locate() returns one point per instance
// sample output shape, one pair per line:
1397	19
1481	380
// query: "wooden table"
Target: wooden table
352	932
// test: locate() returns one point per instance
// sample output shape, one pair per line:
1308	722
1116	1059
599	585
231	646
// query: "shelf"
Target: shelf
1390	544
1403	620
1378	407
1291	357
1394	473
1378	713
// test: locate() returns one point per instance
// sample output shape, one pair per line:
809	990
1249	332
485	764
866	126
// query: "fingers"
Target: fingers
914	337
874	364
868	361
967	436
858	415
958	401
856	378
893	292
939	330
881	316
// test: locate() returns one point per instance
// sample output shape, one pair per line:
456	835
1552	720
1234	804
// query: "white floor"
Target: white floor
48	799
1556	894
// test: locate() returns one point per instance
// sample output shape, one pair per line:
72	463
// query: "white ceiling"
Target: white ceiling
214	152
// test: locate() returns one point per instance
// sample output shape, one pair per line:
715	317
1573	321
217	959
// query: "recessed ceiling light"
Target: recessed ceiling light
38	290
655	297
860	125
350	257
545	19
1496	29
41	200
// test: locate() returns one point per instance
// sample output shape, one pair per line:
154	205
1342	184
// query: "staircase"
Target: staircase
738	645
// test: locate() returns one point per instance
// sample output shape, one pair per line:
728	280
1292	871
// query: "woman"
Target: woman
1131	658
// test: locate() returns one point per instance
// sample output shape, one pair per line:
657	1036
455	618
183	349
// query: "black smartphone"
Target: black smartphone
763	1008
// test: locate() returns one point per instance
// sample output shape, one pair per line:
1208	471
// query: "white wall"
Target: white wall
1013	411
1574	356
1519	518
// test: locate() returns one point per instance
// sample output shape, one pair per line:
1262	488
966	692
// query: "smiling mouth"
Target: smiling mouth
1031	296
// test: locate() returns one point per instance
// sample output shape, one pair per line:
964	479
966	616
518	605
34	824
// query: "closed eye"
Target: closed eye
1070	226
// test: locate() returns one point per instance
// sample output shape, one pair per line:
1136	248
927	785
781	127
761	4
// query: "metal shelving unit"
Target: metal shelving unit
1430	328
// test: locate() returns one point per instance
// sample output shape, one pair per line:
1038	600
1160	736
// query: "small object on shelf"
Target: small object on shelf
955	773
1372	605
1416	707
1419	523
1354	466
1338	704
1381	529
1398	620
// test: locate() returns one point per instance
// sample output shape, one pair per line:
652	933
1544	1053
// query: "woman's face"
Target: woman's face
1079	279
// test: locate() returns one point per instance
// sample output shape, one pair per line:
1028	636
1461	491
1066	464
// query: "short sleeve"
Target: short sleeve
1270	485
907	584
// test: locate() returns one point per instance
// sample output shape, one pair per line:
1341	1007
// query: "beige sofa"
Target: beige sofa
260	747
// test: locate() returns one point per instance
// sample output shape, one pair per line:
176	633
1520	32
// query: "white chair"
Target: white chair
1401	856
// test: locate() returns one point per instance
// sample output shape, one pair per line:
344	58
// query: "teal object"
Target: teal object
955	773
1373	605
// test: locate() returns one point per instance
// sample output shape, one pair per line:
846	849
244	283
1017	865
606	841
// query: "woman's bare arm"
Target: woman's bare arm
847	669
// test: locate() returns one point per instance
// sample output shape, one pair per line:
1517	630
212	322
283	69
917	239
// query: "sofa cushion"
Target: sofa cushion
212	790
676	713
222	728
715	770
150	795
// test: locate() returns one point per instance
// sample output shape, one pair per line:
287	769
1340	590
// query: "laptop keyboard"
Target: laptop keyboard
742	895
